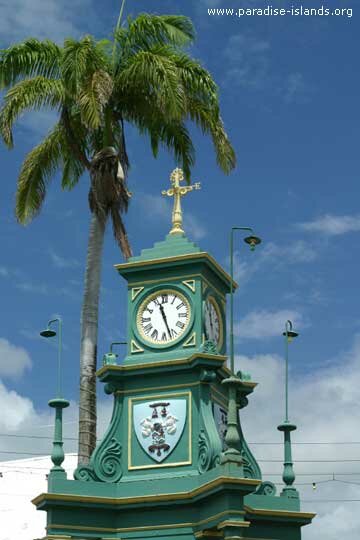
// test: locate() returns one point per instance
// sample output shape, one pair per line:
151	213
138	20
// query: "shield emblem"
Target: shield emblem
159	425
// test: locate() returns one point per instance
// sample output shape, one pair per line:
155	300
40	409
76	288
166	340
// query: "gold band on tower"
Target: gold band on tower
177	191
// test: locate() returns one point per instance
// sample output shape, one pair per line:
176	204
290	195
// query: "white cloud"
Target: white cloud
62	262
262	324
249	61
291	253
332	225
4	272
13	360
325	406
32	287
296	90
53	19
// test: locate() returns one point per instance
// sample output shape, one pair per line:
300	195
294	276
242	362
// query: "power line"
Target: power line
14	435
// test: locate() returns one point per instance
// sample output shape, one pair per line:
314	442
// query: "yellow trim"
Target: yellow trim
175	362
151	389
131	431
200	255
143	306
230	523
119	501
135	348
147	527
206	283
191	342
280	513
190	283
135	291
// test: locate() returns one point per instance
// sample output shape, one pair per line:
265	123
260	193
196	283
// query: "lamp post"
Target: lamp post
287	427
110	357
59	403
252	241
233	383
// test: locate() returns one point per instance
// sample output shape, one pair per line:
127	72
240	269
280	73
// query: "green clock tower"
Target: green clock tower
174	462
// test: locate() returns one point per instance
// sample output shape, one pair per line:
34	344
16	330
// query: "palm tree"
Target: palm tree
143	77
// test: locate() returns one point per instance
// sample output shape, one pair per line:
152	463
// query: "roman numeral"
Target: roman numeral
180	305
145	319
147	328
164	337
173	333
175	297
180	325
156	302
155	334
149	310
182	314
164	298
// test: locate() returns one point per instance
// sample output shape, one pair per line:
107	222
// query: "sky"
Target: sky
289	88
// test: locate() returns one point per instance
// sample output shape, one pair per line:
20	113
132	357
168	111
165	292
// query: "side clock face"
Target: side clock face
212	321
163	317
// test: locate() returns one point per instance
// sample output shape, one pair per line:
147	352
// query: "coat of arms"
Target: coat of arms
159	425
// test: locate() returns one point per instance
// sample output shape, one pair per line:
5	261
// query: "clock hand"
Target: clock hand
165	319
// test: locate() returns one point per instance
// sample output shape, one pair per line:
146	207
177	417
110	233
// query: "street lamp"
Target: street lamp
252	241
110	357
59	403
287	427
233	383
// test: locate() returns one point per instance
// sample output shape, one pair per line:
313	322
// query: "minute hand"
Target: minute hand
165	319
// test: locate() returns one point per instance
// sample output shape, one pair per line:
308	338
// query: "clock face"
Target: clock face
212	321
163	317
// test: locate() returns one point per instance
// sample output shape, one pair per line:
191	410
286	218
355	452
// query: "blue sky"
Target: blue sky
289	90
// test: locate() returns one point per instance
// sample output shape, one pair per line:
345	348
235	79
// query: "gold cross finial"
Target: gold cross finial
177	191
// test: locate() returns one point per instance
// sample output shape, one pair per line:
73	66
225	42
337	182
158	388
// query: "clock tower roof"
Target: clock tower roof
175	251
173	245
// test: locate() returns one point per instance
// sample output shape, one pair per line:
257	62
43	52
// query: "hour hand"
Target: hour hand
165	320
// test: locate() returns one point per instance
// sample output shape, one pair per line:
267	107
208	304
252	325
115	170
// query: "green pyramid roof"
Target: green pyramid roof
172	246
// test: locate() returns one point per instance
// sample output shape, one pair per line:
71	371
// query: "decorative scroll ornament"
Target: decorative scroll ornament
159	426
105	467
204	453
208	459
105	462
220	417
266	488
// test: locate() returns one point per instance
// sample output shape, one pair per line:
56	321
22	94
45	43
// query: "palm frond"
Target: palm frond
37	170
93	97
148	30
28	59
154	72
80	60
26	95
120	232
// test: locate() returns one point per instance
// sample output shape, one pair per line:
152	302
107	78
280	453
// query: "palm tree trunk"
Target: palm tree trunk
88	343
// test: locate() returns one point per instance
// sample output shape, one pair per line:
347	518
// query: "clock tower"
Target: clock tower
174	463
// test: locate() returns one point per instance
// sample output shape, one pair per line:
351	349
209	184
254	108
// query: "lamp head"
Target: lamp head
252	241
290	334
48	333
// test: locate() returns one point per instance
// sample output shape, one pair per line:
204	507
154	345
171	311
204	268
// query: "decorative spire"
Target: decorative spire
177	191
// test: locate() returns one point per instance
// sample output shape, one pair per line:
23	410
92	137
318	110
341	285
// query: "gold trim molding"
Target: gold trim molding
147	527
135	348
119	501
135	291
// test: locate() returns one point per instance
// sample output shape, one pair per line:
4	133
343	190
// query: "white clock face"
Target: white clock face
212	322
163	317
